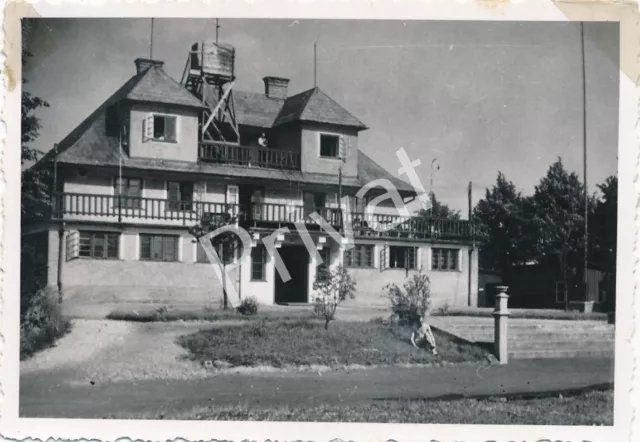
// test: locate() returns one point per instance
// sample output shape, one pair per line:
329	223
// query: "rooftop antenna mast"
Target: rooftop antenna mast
217	28
315	66
151	41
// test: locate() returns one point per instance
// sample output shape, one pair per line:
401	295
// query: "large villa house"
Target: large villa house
138	172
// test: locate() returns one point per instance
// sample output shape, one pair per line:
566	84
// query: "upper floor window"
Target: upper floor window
444	259
130	189
180	195
226	253
159	127
329	146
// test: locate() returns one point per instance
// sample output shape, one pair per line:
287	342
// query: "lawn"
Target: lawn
590	408
281	343
149	314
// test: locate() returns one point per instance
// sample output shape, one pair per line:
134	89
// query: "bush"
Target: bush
41	321
248	306
410	304
332	287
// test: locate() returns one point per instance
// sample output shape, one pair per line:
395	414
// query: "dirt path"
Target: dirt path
110	351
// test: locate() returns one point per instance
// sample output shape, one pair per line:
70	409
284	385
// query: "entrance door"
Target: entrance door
296	259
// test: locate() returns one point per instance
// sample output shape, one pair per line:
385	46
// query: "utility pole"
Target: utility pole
315	66
584	145
217	27
473	245
431	196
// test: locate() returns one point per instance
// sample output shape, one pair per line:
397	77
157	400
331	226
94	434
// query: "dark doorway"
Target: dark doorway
296	259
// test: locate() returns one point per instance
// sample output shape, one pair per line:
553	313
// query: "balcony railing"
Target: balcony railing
110	208
248	156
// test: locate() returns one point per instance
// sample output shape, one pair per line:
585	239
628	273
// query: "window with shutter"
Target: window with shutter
147	128
73	245
384	257
258	261
402	257
233	198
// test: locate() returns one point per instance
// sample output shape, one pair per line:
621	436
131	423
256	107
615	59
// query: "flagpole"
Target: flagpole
584	146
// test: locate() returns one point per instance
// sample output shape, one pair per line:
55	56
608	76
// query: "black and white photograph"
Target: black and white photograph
320	220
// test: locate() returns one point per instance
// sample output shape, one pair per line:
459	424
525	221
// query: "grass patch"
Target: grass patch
592	408
528	314
282	343
150	314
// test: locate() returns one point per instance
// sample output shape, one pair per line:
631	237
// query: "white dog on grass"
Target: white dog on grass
423	333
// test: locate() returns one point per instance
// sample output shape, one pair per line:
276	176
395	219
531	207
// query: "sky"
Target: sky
476	97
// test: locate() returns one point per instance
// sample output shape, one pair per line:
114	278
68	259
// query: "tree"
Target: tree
413	303
227	242
603	234
36	181
502	216
332	287
558	219
439	210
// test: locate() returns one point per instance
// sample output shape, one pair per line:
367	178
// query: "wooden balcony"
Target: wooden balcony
154	211
248	156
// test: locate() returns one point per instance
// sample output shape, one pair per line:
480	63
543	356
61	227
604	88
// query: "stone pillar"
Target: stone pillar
501	318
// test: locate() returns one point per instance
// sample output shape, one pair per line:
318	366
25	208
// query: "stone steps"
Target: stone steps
529	339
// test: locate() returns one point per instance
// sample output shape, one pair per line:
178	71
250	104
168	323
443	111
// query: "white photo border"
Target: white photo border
625	12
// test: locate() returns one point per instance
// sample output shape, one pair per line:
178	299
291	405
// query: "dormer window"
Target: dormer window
159	127
329	146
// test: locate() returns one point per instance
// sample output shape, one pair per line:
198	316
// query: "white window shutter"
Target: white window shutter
147	128
384	257
73	245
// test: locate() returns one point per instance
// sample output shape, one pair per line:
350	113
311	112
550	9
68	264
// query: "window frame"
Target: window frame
182	205
176	238
406	259
262	263
93	234
347	257
155	115
456	252
130	201
201	257
337	146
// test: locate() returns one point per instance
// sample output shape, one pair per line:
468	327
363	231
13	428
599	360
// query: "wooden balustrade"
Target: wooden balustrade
249	156
137	209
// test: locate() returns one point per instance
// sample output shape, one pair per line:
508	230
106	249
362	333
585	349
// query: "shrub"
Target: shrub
332	287
41	321
248	306
410	304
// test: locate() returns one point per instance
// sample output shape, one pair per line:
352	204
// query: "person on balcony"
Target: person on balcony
262	141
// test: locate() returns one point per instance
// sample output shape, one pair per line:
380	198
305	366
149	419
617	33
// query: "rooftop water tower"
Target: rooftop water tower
209	75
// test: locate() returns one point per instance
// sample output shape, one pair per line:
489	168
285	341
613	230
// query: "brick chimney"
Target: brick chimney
276	87
143	64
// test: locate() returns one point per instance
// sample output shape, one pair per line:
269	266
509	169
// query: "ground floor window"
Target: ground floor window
361	255
225	252
258	263
159	247
98	245
445	259
402	257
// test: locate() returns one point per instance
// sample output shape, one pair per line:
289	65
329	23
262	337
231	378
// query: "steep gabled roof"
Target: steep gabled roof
369	170
317	107
90	137
156	86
